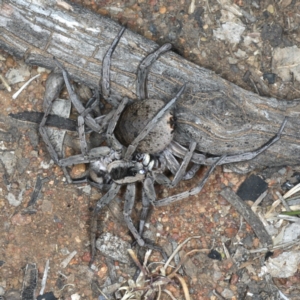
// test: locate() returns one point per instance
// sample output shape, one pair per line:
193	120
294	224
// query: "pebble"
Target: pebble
78	171
10	62
21	220
162	10
113	247
270	9
86	257
47	206
227	294
102	271
2	291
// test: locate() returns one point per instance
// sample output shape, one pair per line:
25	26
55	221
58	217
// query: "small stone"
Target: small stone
162	10
86	257
21	220
227	294
44	76
270	9
234	279
47	206
75	296
113	247
165	219
2	291
78	171
10	62
252	188
12	295
102	271
270	77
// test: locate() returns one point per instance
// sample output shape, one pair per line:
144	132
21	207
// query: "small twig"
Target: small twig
184	286
5	83
258	201
284	203
136	261
217	295
226	251
169	294
67	260
176	250
16	94
69	284
279	246
184	259
44	280
292	191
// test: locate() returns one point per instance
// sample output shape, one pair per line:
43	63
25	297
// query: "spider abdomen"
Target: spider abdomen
135	117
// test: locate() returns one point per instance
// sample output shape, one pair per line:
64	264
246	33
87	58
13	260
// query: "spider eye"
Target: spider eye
142	172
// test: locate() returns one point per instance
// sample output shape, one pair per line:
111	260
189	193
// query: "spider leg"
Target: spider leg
143	70
81	133
179	151
144	212
128	205
106	70
148	196
251	154
53	87
171	162
192	191
111	139
201	159
186	160
92	155
76	101
191	172
151	124
92	104
111	194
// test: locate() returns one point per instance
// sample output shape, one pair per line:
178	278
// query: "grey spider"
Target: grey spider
142	148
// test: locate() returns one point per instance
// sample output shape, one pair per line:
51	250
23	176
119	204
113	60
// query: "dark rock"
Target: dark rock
252	188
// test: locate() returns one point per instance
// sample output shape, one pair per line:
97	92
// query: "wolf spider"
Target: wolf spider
143	149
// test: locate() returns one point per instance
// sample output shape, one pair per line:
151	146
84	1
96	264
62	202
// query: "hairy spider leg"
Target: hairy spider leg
110	195
87	156
105	80
175	149
128	206
84	118
193	191
218	161
82	138
111	139
143	70
54	85
148	196
89	120
178	170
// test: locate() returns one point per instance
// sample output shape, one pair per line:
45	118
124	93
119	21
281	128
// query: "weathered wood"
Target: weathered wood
219	115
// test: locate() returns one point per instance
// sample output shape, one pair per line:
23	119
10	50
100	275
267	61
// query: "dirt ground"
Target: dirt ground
60	221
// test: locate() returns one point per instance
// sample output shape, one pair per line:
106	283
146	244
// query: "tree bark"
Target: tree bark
220	116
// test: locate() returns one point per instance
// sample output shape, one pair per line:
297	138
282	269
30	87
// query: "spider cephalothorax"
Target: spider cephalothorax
143	127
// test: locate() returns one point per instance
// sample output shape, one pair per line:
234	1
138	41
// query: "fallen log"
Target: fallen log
220	116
